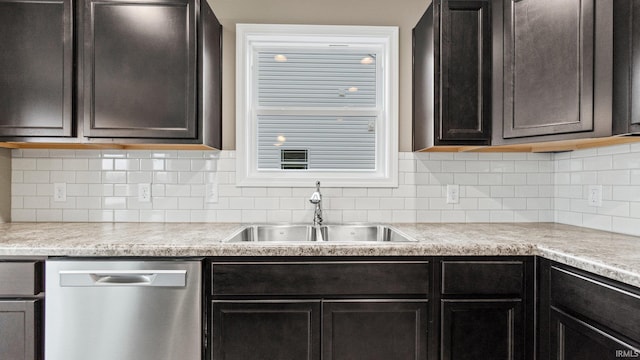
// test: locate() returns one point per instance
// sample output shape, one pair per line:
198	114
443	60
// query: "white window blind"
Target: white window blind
294	85
316	103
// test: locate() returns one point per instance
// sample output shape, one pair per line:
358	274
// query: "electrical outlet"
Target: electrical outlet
212	193
144	193
453	194
595	195
60	192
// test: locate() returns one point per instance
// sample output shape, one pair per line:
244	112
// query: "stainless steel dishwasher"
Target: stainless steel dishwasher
123	310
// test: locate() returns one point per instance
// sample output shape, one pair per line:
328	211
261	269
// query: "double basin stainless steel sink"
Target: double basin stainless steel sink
323	233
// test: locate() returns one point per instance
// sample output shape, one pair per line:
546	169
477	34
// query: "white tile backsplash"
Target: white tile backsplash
494	187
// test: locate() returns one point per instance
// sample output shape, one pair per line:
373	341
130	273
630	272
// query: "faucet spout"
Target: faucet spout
316	199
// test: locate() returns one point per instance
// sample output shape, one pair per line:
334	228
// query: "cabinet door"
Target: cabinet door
270	330
374	330
36	65
139	68
573	339
465	72
548	67
626	66
19	333
482	329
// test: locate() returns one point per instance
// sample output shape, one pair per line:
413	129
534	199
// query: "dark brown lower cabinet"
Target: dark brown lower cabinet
482	329
583	316
282	330
19	330
576	339
372	330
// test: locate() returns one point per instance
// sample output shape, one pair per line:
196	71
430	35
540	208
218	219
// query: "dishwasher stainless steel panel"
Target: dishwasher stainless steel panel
123	310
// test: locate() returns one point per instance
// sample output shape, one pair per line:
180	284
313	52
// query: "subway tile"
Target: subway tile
17	202
254	192
203	216
62	153
514	203
403	216
114	177
88	177
453	216
111	202
126	215
101	215
73	215
465	179
614	177
354	216
152	215
139	177
477	216
478	166
379	192
188	177
49	215
429	216
501	216
378	216
63	177
23	164
75	165
77	189
190	203
126	164
165	203
23	215
17	177
36	202
48	164
230	216
178	165
254	216
35	153
152	164
36	177
88	202
453	166
368	203
266	203
279	216
162	177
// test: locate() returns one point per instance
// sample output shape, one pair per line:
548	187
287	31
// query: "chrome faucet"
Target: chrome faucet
316	199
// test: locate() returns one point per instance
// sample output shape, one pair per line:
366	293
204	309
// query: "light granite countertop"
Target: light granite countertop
612	255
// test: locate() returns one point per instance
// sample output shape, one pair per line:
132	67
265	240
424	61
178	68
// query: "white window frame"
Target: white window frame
252	36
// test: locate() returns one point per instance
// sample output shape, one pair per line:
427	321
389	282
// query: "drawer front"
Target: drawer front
482	277
581	295
20	278
321	279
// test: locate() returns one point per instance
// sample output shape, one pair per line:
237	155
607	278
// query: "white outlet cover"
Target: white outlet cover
453	194
594	197
211	196
144	193
59	192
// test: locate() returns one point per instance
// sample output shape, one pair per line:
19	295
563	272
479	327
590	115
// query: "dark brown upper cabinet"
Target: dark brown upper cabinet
626	66
36	68
149	71
552	70
452	74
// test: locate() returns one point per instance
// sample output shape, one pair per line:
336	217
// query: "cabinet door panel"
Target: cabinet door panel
573	339
374	330
275	330
35	68
19	337
548	67
465	71
489	329
626	71
139	69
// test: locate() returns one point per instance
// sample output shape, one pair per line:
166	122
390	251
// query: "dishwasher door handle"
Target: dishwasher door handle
97	278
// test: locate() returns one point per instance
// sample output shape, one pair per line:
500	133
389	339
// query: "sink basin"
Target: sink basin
325	233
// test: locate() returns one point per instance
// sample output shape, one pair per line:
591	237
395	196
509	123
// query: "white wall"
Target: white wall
494	187
617	169
5	185
102	186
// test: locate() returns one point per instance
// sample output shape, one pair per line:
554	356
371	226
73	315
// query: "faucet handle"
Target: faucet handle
315	198
318	186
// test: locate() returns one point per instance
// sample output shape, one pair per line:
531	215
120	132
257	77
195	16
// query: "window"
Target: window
316	103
